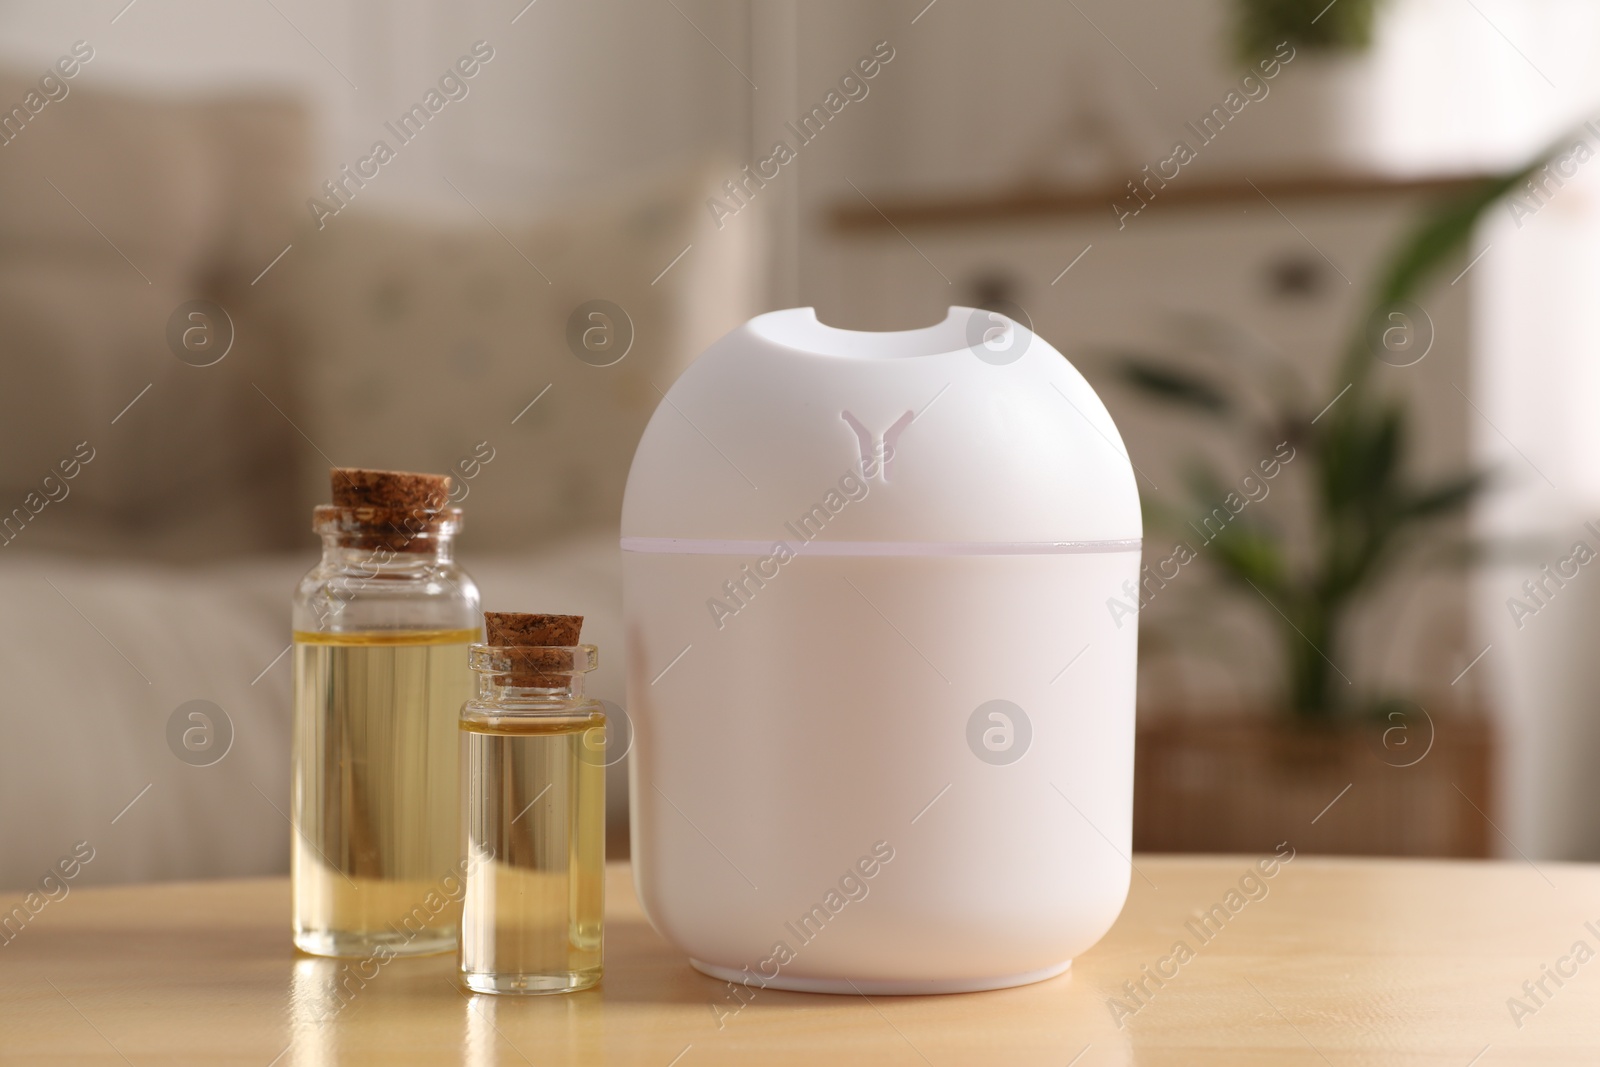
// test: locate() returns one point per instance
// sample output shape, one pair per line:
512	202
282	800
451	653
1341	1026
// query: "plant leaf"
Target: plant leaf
1445	496
1444	232
1264	25
1176	386
1440	236
1253	556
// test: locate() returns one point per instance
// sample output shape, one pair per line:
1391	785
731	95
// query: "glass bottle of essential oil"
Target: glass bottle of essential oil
534	752
381	631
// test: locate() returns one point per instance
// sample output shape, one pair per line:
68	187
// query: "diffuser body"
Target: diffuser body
880	596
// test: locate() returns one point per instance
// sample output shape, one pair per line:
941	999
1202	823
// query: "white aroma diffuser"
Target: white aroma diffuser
878	591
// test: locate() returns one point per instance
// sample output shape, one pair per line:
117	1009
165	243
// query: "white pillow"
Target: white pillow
429	343
115	209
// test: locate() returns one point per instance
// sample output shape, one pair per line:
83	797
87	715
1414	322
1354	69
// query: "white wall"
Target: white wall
578	92
980	93
978	85
1538	388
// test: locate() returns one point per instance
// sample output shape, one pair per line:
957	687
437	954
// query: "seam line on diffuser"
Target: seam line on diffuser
713	547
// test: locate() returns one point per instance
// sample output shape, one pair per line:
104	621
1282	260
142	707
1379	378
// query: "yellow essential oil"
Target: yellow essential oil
375	797
534	755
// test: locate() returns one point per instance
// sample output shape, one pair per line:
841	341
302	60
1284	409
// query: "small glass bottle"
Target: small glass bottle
381	629
534	754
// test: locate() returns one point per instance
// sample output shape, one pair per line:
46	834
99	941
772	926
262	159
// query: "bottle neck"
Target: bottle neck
359	552
492	689
529	678
389	540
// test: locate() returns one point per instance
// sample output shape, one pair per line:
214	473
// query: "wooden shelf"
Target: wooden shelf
856	215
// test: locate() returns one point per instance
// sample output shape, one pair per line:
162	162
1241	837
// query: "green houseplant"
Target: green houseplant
1368	513
1260	25
1337	767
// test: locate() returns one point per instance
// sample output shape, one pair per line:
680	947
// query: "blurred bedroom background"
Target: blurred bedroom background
213	286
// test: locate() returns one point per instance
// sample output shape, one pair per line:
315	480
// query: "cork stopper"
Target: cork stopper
356	487
546	665
394	511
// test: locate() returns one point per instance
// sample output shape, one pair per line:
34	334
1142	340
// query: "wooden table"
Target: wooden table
1341	961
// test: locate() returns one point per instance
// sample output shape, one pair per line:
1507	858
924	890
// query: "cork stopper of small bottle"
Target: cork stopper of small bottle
357	487
546	664
396	511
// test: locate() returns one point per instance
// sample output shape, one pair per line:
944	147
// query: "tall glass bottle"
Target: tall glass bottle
381	630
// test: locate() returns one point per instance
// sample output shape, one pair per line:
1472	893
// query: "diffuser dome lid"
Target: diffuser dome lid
972	432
